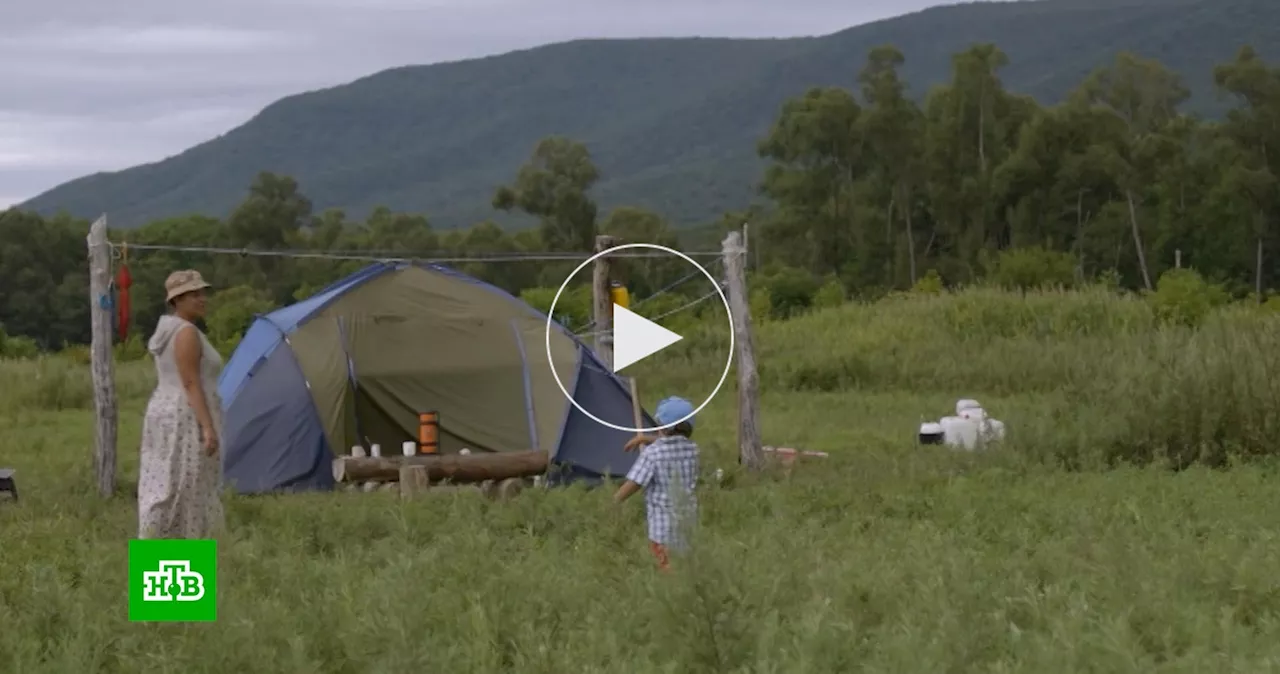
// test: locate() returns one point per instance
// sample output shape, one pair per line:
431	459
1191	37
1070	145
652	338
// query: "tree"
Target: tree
274	210
552	186
1255	128
270	219
1144	95
818	154
892	125
972	124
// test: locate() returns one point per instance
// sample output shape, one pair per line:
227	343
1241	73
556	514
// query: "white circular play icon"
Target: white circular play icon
636	337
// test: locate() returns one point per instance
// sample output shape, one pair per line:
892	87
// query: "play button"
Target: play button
636	337
633	338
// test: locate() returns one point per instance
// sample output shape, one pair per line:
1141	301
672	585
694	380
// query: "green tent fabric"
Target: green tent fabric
395	340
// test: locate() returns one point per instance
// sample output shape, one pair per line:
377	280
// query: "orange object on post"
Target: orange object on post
429	433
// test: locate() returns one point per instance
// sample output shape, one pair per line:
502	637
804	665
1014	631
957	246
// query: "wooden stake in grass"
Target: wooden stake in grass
749	447
509	488
602	300
104	379
413	480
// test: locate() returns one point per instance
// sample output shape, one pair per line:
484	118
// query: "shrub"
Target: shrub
760	302
1032	267
831	294
1183	297
574	309
929	284
18	347
233	310
791	291
131	349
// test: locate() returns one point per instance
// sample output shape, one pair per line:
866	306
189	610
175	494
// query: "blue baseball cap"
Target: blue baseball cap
673	409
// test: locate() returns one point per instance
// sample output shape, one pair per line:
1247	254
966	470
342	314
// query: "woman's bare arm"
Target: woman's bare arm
187	351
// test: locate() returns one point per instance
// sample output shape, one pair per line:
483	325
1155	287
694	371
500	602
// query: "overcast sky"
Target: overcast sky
94	85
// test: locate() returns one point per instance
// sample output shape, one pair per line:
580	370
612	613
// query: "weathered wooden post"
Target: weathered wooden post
509	489
104	379
602	300
749	447
413	480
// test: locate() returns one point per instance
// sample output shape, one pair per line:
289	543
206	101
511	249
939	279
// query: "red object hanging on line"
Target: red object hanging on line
123	281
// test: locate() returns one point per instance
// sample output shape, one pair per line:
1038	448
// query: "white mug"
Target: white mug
409	447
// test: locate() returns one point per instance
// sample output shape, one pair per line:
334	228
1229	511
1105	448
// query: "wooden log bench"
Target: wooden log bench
455	468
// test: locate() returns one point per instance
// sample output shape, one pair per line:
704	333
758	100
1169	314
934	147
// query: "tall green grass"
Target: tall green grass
886	557
1128	385
65	382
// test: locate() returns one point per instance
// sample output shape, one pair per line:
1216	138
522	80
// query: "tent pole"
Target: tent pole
352	384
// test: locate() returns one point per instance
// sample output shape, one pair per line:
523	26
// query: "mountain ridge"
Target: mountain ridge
671	122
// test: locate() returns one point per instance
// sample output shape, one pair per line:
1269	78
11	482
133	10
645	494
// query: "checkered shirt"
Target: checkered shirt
668	471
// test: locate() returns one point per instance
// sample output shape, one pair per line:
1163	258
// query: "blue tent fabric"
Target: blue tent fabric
587	442
275	439
267	331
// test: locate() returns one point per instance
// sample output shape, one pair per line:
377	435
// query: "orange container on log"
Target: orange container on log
429	433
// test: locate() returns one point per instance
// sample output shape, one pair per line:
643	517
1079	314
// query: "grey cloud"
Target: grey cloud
94	85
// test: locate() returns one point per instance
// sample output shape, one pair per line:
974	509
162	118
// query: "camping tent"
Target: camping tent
357	362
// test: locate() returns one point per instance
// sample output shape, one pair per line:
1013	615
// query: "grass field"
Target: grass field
1061	552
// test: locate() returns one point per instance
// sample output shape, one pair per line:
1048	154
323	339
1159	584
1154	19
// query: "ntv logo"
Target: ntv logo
173	581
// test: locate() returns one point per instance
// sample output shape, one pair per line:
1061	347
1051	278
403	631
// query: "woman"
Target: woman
180	473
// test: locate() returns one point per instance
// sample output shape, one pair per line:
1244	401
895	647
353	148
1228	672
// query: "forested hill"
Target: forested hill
671	123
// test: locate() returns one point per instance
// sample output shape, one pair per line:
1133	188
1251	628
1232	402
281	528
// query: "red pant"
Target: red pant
660	552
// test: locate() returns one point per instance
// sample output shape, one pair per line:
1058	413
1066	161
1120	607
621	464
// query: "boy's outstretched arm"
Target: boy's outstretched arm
625	492
639	441
639	477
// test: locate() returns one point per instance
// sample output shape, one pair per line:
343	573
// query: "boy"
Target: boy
667	469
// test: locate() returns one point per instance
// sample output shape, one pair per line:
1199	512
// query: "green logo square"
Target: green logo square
173	580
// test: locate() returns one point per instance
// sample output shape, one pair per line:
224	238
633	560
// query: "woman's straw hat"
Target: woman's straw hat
182	282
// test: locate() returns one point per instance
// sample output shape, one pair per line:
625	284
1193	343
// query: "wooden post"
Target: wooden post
1177	259
749	448
104	379
508	489
413	480
602	300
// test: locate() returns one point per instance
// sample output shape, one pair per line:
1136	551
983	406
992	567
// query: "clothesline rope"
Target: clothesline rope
119	250
401	256
684	307
661	291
